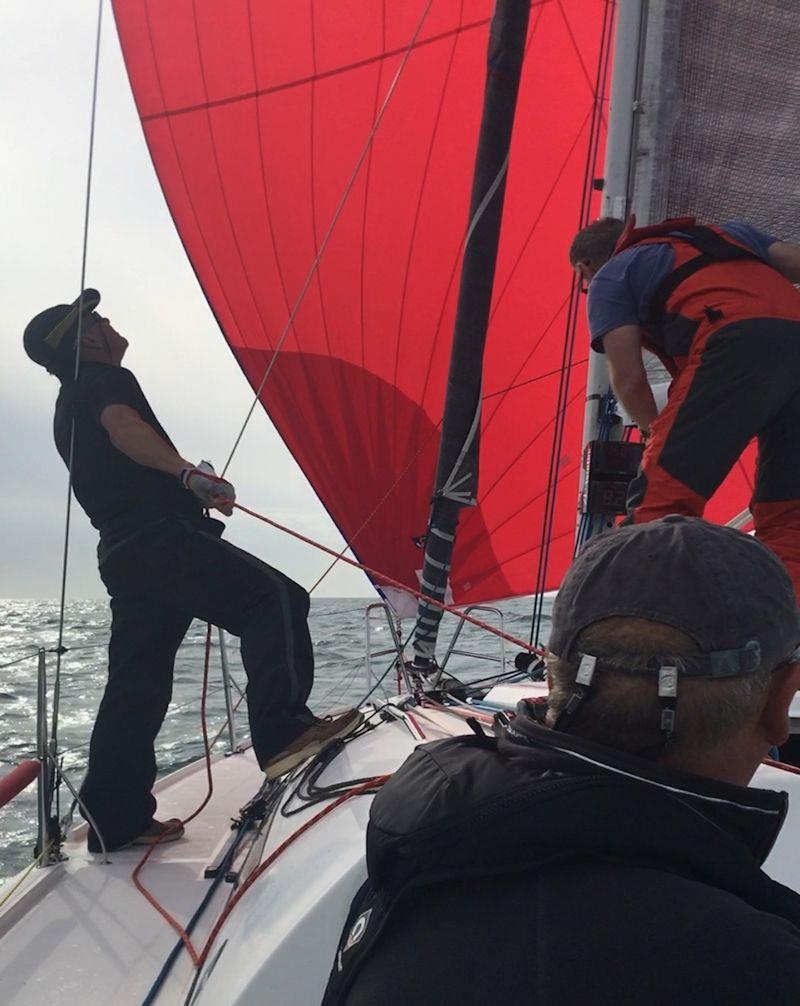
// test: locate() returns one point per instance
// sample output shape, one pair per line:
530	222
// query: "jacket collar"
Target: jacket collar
754	816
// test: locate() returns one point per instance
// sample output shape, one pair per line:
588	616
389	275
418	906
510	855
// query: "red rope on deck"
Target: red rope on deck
179	929
199	958
370	784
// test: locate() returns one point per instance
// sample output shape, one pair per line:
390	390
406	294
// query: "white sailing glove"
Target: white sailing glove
209	488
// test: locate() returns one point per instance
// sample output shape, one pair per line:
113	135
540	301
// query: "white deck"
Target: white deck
81	932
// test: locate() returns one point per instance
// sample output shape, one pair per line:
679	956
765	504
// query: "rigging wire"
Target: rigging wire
340	687
20	660
224	726
329	232
571	328
34	653
52	774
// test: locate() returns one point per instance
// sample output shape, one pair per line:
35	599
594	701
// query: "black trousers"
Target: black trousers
159	582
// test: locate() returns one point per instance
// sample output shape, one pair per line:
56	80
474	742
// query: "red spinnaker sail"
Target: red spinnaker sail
256	115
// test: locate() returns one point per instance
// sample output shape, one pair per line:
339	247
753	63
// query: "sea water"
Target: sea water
338	632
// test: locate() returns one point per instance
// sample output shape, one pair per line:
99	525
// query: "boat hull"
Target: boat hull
81	929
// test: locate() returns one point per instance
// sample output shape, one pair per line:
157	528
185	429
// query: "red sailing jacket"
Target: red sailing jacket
714	282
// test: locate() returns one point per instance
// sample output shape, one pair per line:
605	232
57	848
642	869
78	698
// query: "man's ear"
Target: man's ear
774	718
548	654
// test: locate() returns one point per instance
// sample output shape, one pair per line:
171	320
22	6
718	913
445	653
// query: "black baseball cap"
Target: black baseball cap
720	586
49	338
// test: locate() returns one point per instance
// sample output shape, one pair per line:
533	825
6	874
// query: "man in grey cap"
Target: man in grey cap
605	848
163	563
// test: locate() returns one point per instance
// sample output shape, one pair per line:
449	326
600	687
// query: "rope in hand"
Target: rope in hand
179	929
391	582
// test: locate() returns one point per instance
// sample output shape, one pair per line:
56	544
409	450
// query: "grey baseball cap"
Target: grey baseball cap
718	585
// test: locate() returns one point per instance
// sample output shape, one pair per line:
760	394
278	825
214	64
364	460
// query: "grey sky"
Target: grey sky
149	292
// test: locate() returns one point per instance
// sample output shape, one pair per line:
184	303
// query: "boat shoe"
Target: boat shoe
312	741
164	831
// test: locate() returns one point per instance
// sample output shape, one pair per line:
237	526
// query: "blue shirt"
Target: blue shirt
621	290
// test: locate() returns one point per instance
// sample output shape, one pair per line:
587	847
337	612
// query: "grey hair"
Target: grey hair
623	711
595	243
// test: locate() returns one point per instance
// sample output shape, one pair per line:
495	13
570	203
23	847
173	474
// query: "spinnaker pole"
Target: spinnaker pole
456	482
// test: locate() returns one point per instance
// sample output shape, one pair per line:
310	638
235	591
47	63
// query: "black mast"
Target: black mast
456	482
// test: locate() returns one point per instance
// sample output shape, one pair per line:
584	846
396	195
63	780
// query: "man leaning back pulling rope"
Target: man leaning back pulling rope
164	563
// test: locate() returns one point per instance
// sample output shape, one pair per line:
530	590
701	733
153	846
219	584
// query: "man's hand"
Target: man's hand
209	488
785	257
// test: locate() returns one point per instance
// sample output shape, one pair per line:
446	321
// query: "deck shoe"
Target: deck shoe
151	832
171	831
312	741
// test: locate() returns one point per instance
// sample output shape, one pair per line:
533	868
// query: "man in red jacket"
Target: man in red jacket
717	306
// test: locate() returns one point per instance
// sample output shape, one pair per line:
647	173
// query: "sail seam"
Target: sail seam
531	380
314	77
